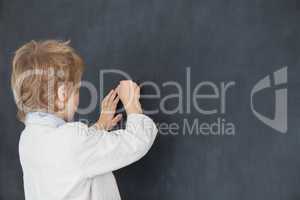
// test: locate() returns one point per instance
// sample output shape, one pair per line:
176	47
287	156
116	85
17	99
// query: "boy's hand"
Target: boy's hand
129	93
107	119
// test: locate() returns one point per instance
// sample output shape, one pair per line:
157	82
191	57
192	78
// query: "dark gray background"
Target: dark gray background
238	40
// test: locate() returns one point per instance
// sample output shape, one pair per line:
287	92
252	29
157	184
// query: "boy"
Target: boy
67	160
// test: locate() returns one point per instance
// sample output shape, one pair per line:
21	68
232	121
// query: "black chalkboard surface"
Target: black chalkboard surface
228	131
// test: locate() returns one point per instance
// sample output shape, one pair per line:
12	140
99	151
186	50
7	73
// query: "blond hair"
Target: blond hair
38	68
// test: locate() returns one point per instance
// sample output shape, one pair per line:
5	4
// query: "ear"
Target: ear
62	93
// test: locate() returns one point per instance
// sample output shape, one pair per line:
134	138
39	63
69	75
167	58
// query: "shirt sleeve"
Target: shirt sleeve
99	152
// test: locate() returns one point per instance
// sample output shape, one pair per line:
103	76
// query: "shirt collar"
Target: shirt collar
44	118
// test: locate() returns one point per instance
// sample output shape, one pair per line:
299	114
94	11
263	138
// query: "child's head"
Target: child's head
46	77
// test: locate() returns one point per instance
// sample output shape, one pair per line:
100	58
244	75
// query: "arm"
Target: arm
101	151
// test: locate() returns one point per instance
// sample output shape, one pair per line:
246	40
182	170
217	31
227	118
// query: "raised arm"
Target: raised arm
101	151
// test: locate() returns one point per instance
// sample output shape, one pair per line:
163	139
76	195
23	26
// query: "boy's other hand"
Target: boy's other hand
107	119
129	93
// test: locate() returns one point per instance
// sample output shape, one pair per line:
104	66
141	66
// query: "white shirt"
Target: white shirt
70	161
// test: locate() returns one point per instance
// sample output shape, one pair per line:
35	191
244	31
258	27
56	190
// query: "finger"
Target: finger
116	119
134	83
137	92
138	89
103	103
122	82
112	97
110	93
108	96
118	89
116	100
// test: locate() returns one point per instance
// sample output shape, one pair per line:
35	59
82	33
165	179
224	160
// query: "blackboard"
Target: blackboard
215	43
